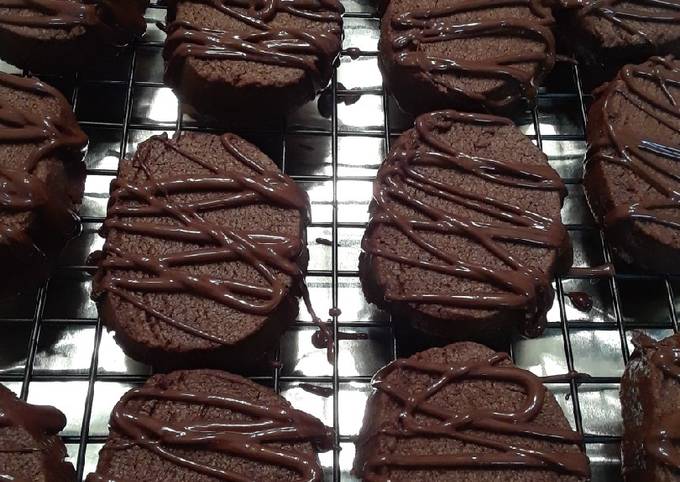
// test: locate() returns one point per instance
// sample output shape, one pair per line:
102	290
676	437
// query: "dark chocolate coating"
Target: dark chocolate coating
41	179
227	57
465	413
477	55
650	390
208	425
65	35
30	449
465	231
632	172
204	252
607	34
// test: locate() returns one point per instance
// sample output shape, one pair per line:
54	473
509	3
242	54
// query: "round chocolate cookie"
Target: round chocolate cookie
204	252
208	425
227	57
632	172
465	232
465	413
607	34
41	179
465	54
65	35
650	396
30	449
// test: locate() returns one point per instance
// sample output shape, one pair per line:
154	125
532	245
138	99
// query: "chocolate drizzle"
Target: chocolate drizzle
20	189
645	153
40	422
133	201
267	435
662	436
419	417
116	21
260	41
630	16
519	287
413	30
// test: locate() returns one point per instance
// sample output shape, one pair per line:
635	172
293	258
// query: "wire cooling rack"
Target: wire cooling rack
53	349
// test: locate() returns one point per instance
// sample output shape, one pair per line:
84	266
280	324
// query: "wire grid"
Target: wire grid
54	350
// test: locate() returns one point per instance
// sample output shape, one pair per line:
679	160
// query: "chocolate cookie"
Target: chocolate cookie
633	164
465	413
465	54
228	56
465	232
30	449
204	252
650	391
65	35
41	179
607	34
209	425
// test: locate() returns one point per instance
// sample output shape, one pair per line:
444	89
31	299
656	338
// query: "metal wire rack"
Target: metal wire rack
53	348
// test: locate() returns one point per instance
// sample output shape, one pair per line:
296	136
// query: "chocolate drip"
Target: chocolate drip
581	301
605	270
38	420
268	253
631	16
635	150
519	285
310	51
324	337
661	437
431	25
324	392
324	241
419	418
353	53
261	438
20	189
116	21
565	377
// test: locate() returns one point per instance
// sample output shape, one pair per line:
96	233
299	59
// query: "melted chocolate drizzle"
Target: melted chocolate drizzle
602	271
630	15
116	21
38	420
255	439
324	241
565	377
420	418
581	300
519	285
310	51
267	253
434	24
637	152
324	392
20	190
661	438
